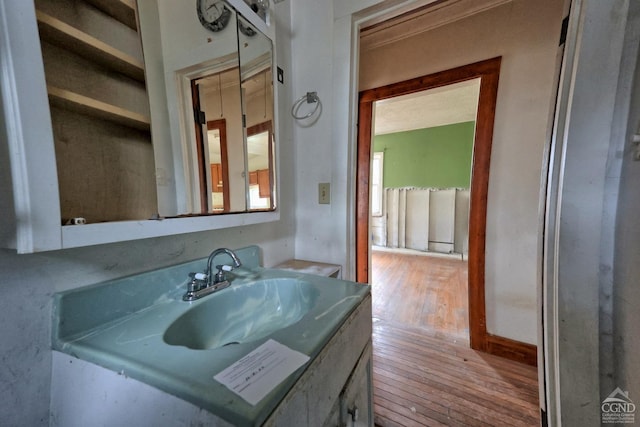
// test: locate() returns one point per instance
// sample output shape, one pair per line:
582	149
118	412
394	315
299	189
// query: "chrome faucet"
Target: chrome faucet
206	283
220	275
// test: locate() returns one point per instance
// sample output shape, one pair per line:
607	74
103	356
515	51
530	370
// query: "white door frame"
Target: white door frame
580	215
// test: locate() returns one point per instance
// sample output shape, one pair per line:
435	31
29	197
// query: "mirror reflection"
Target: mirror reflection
216	127
219	141
260	161
236	174
257	88
218	163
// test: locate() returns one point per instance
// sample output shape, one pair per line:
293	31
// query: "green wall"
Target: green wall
435	157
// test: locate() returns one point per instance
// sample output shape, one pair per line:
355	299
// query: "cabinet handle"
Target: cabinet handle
354	413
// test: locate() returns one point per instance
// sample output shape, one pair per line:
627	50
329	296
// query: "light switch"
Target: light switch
324	193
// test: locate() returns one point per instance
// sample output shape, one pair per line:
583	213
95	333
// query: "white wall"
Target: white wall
320	229
526	35
27	282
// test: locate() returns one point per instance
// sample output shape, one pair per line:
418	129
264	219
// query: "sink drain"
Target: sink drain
230	343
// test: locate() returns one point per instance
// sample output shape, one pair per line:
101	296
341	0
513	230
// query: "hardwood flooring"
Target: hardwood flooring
423	380
421	291
425	374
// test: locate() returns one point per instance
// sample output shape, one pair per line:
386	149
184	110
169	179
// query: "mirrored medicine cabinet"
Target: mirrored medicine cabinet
232	104
127	148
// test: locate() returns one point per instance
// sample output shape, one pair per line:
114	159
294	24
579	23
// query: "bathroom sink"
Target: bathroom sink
140	327
242	313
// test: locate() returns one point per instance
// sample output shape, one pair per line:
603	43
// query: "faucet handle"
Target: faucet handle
197	280
220	276
192	286
196	283
198	277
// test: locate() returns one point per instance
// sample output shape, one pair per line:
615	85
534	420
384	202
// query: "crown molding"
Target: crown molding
421	20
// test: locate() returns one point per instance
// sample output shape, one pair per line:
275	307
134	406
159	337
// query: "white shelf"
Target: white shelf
311	267
90	106
121	231
121	10
64	35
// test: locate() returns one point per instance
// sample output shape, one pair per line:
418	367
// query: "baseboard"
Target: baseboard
405	251
512	349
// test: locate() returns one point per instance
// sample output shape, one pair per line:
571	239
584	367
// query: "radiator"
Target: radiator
424	219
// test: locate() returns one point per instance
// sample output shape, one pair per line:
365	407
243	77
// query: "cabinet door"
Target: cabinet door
333	420
253	178
264	183
356	400
216	178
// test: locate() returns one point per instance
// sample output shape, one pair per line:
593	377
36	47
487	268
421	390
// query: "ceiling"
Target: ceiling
455	103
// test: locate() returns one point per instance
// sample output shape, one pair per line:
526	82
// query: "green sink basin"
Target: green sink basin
242	313
140	327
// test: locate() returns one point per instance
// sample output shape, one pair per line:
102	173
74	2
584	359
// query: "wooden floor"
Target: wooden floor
428	376
422	292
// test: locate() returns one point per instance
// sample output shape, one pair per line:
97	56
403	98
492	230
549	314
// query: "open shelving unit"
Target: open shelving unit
95	78
85	105
121	10
66	36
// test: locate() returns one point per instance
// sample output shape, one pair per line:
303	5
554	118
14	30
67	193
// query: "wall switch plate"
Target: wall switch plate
324	193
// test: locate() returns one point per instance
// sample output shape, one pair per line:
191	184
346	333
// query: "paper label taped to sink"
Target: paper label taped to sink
260	371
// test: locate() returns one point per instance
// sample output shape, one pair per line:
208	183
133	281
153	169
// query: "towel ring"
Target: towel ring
310	97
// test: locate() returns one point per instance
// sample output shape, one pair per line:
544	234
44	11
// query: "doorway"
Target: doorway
420	378
420	181
488	73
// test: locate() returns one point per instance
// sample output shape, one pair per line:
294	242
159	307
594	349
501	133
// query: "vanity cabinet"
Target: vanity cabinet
84	393
353	408
356	407
108	376
337	382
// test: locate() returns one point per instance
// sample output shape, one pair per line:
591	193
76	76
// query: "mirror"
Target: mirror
257	89
113	146
219	141
260	166
218	116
